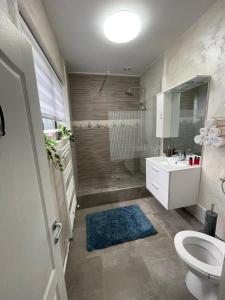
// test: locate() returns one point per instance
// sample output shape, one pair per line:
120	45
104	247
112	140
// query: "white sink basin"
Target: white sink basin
172	163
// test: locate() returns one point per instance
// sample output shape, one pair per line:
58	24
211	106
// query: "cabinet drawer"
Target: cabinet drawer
156	175
157	182
161	194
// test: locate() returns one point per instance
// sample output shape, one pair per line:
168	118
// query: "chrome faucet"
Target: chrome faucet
182	154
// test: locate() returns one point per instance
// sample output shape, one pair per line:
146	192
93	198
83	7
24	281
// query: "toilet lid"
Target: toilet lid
211	270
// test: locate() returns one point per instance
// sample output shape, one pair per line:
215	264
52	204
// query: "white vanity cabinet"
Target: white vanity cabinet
174	184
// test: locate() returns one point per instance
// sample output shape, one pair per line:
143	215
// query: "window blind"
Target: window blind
49	87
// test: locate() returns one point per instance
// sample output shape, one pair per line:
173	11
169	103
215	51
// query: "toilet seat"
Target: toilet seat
187	237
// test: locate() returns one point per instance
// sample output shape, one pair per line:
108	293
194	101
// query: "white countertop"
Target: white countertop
173	163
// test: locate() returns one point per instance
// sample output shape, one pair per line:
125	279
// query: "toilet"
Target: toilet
203	255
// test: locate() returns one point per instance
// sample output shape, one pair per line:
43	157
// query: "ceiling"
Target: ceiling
78	27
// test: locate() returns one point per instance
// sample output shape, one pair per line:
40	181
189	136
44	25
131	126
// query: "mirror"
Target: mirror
192	114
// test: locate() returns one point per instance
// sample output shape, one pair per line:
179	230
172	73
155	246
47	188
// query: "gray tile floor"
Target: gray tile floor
145	269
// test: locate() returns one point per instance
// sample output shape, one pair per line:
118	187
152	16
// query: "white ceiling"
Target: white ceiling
78	26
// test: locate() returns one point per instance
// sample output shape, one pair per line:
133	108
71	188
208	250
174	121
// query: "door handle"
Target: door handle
2	125
57	225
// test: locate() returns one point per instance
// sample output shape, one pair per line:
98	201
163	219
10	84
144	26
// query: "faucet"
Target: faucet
182	154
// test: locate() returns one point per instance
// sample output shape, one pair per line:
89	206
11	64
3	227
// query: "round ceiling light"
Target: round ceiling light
122	27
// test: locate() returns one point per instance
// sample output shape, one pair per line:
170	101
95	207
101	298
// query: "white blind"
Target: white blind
49	86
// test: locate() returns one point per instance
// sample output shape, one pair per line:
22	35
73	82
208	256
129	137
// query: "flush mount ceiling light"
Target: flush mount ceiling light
122	27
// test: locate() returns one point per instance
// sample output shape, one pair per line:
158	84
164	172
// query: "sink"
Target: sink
173	163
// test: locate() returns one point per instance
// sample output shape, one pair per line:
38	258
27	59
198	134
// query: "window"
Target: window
49	87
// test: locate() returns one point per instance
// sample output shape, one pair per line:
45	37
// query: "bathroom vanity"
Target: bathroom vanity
173	183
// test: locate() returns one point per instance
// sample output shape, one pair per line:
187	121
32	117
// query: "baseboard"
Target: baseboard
198	211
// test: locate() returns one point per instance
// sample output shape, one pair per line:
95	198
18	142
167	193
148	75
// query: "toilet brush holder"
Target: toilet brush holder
210	222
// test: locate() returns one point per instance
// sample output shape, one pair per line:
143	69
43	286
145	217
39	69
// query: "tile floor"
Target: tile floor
145	269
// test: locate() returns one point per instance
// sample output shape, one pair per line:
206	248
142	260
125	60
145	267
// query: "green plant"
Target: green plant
52	153
66	133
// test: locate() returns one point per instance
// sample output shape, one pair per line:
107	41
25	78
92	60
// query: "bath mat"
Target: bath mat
117	225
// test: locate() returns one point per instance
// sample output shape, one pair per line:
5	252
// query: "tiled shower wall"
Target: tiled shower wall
89	119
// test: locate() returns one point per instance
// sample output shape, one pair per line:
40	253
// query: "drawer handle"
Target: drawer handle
155	186
155	169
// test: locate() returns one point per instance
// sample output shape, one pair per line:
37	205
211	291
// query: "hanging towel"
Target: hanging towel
215	132
218	141
221	122
204	132
210	123
198	140
207	141
222	130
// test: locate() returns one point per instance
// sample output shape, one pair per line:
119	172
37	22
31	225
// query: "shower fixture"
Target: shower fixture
129	92
103	83
142	105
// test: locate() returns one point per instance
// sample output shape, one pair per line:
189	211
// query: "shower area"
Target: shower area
114	132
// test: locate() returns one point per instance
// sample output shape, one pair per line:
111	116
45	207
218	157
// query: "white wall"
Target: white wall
201	50
151	81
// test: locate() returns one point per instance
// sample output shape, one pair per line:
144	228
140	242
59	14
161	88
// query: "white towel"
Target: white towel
210	123
204	132
207	141
215	132
198	140
218	141
221	122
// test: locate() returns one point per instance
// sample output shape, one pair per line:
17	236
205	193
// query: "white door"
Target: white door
30	262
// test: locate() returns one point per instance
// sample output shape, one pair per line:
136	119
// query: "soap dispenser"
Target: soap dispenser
168	151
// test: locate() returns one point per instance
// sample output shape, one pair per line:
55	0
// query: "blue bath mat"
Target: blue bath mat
117	226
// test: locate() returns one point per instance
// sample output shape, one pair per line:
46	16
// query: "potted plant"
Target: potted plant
53	156
66	133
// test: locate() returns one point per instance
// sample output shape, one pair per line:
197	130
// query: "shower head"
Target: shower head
104	81
129	92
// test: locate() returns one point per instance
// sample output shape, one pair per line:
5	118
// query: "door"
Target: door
30	262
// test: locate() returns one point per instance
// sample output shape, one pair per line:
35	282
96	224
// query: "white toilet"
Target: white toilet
203	256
